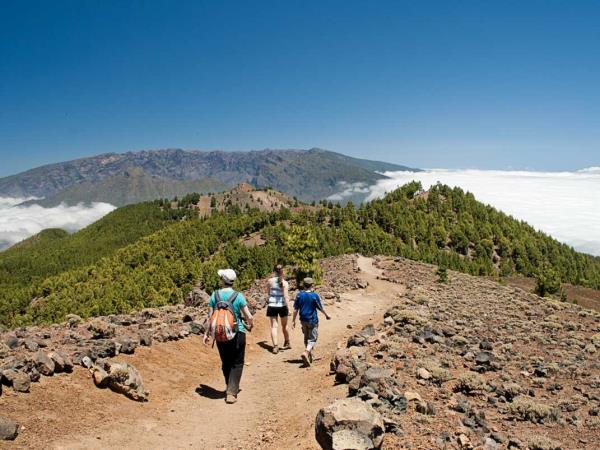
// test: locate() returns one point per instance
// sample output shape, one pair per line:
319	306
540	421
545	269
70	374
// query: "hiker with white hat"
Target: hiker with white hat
227	311
306	305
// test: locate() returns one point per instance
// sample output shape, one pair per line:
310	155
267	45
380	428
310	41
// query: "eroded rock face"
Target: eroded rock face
349	424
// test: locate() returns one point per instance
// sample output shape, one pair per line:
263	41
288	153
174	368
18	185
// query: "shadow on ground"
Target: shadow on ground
209	392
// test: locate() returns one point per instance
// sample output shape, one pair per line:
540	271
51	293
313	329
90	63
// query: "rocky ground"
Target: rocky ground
474	364
28	354
465	364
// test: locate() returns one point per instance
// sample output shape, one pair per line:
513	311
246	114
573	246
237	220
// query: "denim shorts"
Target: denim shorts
310	331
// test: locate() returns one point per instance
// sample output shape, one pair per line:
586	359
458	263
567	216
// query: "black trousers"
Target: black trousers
232	361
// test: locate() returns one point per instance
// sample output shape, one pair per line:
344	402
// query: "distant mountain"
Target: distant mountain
132	186
138	176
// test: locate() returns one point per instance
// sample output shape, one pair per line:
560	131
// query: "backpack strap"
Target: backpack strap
229	301
232	298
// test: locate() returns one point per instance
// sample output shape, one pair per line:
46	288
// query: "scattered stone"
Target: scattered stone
8	429
120	377
19	381
44	364
426	408
349	424
12	342
31	345
412	396
423	374
59	362
101	329
127	345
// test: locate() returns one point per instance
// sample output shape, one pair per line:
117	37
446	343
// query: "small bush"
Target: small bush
527	409
543	443
470	383
442	274
510	391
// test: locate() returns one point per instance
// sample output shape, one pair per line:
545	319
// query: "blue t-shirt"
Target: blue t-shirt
307	303
238	305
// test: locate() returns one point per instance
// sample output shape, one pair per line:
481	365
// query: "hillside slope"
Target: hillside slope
53	251
307	174
446	227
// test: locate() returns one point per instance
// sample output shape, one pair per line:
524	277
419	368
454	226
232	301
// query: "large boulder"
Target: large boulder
8	429
119	377
12	342
126	344
380	381
349	424
197	297
44	364
348	363
101	329
19	381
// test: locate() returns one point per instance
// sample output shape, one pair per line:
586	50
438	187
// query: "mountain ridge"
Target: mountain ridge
307	174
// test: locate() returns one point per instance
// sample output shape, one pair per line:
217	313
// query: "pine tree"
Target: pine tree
302	250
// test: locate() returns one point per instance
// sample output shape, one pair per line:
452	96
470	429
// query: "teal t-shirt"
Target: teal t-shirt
238	305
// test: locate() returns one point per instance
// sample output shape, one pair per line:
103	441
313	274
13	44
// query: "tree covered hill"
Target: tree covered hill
132	177
444	226
53	251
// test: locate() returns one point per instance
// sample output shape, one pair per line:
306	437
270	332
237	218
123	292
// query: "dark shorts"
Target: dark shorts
274	311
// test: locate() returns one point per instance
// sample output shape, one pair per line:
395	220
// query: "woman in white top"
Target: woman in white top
278	306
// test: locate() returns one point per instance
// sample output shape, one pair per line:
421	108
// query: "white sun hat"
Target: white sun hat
227	275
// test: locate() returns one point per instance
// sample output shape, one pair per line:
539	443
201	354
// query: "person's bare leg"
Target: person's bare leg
286	334
274	334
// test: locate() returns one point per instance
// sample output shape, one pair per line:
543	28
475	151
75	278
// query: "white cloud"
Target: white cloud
20	222
7	202
565	205
348	190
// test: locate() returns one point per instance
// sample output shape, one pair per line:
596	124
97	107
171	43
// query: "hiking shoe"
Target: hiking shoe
276	349
286	345
230	399
310	357
306	359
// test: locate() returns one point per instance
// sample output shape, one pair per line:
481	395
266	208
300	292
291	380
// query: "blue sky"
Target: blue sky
429	84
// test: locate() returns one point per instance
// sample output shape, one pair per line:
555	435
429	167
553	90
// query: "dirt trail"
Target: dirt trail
276	407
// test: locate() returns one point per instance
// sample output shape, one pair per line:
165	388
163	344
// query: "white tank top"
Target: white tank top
276	293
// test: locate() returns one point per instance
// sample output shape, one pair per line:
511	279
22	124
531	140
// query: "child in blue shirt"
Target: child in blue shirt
306	304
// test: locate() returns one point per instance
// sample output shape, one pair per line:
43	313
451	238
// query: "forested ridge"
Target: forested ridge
54	251
444	226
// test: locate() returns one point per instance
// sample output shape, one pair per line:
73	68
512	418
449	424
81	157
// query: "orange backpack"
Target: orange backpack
223	325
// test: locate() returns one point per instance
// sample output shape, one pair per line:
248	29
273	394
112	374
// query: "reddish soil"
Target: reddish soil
276	408
586	297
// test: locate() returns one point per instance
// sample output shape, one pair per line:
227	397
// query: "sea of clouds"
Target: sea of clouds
565	205
20	222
